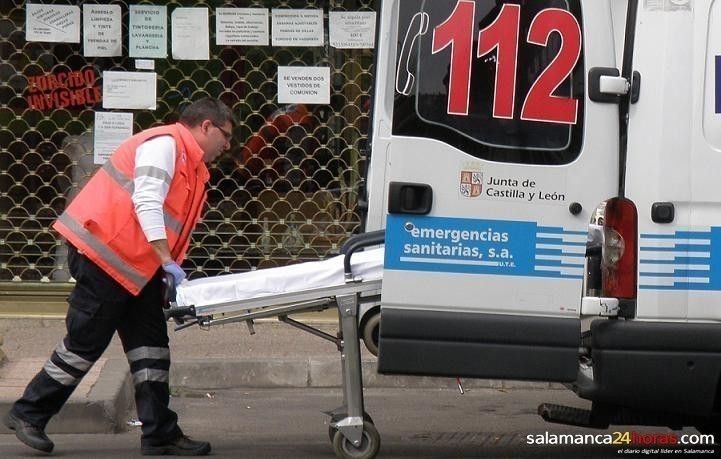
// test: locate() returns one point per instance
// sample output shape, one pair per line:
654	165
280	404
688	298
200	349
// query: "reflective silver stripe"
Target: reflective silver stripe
72	359
59	375
146	352
110	257
118	176
172	223
150	374
154	172
128	185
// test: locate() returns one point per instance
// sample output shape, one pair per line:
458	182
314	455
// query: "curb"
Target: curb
104	409
110	401
209	374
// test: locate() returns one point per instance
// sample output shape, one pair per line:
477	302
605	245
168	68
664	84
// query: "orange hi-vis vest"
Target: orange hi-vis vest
101	220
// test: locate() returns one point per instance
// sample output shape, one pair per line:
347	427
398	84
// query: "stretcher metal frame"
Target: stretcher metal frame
357	436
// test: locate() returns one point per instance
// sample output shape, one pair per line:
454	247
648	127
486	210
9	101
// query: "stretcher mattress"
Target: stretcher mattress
367	265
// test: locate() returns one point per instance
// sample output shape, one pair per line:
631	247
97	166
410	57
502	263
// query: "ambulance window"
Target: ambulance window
501	81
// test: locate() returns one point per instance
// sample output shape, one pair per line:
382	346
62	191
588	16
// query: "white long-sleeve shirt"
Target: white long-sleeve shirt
154	169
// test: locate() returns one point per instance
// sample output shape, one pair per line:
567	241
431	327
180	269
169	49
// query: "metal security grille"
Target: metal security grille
286	192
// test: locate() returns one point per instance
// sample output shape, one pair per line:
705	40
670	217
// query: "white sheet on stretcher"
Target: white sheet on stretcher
285	279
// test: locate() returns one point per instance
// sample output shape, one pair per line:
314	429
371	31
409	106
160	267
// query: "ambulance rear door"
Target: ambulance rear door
496	158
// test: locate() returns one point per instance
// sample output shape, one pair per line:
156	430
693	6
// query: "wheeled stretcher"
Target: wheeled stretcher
347	281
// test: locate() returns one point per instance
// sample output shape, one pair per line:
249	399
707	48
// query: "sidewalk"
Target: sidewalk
224	357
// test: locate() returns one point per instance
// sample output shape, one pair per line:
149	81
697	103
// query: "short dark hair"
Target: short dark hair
206	109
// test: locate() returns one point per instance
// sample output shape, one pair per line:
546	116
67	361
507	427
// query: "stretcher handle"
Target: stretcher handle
169	291
358	242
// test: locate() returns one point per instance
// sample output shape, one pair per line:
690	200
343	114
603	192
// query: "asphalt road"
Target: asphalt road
279	423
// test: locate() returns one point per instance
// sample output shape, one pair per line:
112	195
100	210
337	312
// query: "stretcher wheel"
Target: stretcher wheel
370	444
332	430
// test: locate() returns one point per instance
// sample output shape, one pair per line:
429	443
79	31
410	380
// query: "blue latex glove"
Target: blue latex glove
174	270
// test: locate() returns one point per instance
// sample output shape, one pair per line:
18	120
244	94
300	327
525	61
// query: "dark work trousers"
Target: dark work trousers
99	307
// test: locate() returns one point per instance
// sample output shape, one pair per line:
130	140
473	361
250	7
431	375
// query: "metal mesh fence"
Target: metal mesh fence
287	191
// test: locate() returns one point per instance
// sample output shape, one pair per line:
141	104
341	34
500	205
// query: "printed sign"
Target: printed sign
297	27
513	184
304	85
52	23
352	30
135	90
111	129
242	26
471	246
63	90
190	34
102	36
148	31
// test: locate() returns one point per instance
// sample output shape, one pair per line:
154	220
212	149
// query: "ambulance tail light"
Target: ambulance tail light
619	251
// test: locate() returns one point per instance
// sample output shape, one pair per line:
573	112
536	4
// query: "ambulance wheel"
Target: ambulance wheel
332	430
370	332
370	444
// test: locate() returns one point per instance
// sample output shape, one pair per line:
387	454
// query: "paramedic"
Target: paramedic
126	228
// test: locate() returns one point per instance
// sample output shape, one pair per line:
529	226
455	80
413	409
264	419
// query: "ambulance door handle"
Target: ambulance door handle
409	198
662	212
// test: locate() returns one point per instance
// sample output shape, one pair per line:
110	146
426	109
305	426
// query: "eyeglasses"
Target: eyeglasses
228	135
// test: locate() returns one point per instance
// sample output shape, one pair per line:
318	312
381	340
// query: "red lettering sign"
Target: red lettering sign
52	91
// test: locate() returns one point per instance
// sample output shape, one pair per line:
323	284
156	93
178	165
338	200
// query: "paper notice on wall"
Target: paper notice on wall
352	30
241	26
102	36
297	27
111	129
148	31
134	90
52	23
304	85
190	34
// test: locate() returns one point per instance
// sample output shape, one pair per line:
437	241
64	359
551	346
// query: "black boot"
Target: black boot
29	434
181	446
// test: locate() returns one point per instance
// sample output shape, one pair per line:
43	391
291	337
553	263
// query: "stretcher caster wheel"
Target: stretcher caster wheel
332	430
370	444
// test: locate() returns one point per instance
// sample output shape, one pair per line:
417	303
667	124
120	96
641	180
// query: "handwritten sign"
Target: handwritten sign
352	29
52	23
102	36
190	34
148	31
297	27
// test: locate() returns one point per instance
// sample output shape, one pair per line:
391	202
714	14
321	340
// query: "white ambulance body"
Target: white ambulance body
548	176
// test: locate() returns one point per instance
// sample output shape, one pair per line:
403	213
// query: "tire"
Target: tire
332	430
370	444
371	332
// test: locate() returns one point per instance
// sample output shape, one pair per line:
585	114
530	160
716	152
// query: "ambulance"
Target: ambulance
548	175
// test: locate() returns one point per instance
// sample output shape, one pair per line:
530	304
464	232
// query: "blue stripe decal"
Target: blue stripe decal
679	235
685	263
475	246
559	230
718	84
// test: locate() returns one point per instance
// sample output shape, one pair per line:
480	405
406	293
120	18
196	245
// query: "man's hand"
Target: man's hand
174	270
